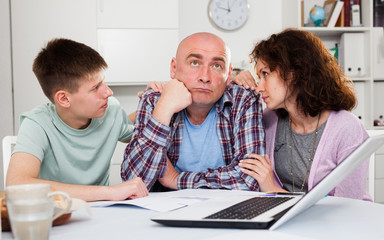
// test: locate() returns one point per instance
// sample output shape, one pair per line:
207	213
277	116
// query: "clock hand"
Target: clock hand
220	7
229	8
226	9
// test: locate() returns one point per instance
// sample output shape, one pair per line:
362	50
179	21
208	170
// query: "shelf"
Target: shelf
334	31
360	79
116	84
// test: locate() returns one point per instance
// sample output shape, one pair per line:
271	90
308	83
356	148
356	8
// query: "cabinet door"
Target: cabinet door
137	39
137	14
137	56
378	53
36	22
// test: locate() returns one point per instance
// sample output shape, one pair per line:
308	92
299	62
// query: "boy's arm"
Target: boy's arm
24	168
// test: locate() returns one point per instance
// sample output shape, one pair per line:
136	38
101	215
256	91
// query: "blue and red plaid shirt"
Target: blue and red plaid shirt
240	131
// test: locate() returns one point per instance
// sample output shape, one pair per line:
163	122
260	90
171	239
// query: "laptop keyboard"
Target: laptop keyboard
250	208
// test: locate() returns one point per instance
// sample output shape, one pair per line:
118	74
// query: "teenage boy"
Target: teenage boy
68	143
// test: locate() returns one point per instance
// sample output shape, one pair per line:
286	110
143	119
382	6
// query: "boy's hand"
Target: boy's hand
134	188
155	86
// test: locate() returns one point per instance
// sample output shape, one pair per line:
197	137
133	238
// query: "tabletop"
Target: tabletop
330	218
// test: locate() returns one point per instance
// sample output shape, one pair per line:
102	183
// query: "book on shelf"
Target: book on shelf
328	7
378	10
336	14
347	13
355	13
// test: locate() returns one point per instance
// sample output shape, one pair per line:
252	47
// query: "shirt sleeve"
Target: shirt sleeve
126	127
31	139
354	185
248	137
343	133
146	154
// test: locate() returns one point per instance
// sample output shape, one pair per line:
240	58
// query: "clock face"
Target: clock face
228	14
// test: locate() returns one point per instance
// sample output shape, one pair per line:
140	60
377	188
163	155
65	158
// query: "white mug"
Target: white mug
31	210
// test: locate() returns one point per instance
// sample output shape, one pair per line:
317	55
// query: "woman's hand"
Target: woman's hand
245	79
260	169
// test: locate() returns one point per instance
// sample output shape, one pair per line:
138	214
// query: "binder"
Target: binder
351	54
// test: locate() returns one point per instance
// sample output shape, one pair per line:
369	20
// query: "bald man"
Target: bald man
196	131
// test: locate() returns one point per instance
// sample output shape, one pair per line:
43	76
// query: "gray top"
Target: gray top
301	152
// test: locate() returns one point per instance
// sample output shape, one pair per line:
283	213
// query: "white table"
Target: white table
330	218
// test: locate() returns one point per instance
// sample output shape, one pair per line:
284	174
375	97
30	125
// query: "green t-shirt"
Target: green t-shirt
71	155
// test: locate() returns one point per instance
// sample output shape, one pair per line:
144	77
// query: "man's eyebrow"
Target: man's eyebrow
220	59
194	55
200	56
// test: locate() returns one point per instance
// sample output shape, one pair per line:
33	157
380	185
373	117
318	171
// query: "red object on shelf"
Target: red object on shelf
347	13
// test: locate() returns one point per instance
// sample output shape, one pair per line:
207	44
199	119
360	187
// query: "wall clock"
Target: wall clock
228	14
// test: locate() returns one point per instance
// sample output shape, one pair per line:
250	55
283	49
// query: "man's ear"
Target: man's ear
173	68
61	97
229	74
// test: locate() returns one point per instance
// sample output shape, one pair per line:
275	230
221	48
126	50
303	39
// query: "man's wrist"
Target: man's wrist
162	113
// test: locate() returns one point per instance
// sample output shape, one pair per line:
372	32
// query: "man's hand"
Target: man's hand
169	179
134	188
174	98
245	79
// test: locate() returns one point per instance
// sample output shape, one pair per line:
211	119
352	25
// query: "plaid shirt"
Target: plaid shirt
240	131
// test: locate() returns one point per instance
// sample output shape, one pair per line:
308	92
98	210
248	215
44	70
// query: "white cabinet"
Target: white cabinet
149	14
137	56
137	39
378	53
376	171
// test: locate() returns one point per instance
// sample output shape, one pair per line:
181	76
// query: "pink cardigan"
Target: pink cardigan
343	133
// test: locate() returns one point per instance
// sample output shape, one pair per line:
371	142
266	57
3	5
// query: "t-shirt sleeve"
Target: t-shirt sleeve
126	126
31	139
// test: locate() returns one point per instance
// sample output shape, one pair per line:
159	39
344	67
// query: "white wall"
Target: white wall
6	119
264	19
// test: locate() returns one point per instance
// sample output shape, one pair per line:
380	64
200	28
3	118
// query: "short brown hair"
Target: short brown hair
62	63
317	78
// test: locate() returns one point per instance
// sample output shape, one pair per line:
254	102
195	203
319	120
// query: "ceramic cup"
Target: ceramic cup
31	210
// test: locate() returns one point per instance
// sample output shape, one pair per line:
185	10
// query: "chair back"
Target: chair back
8	144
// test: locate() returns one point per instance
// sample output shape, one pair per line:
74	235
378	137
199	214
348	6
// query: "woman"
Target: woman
309	129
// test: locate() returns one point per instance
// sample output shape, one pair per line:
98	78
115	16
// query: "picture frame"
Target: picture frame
328	7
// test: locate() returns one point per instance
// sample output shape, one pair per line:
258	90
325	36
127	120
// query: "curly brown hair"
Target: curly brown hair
63	63
317	78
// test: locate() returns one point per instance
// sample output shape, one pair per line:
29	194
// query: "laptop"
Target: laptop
273	210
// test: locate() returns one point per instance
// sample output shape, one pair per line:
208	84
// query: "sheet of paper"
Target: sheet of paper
167	201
